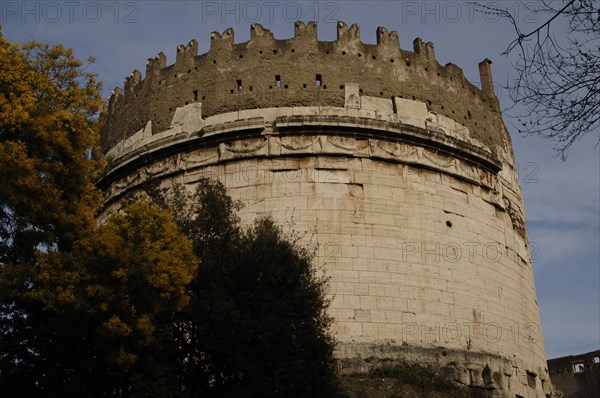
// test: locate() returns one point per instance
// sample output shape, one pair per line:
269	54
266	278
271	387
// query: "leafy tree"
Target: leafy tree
135	270
256	325
48	126
107	310
558	69
85	309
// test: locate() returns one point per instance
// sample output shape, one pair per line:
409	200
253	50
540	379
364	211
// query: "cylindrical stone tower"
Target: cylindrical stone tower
396	166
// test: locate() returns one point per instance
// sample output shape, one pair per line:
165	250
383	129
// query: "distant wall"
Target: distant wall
577	376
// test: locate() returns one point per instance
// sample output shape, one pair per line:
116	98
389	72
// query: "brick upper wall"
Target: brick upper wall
231	77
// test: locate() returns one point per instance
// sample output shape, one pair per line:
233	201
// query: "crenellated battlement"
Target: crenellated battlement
302	71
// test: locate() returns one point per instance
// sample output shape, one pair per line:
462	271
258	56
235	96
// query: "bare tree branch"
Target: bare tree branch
557	70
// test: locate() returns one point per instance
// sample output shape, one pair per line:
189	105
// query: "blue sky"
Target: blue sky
561	198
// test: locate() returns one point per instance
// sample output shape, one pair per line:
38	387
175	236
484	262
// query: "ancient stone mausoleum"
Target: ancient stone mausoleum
397	167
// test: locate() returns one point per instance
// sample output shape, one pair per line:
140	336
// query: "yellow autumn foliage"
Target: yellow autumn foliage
49	133
137	265
72	290
116	327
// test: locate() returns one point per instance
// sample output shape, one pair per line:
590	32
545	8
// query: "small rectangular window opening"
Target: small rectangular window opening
277	80
578	367
239	85
195	95
318	81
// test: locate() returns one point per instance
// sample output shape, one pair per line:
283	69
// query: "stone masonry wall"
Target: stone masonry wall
577	375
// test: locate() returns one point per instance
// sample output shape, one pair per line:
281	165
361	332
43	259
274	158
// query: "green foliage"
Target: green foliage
420	377
256	325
